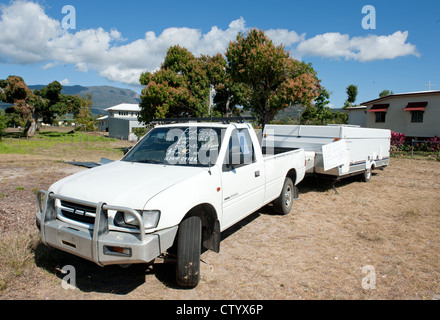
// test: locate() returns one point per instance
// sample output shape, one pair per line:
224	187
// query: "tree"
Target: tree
2	123
352	92
385	93
83	115
50	105
16	91
180	88
274	80
29	107
229	95
320	114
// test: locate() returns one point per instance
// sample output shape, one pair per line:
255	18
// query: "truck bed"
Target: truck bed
276	150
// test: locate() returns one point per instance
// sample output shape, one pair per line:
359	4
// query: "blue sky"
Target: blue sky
113	41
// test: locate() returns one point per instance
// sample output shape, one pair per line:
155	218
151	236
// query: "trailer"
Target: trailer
334	151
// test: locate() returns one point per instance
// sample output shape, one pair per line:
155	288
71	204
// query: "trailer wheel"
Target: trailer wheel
366	176
283	204
189	238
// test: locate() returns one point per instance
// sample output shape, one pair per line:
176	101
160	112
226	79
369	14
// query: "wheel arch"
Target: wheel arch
292	175
210	225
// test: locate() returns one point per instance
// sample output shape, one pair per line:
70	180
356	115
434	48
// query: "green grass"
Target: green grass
58	144
417	155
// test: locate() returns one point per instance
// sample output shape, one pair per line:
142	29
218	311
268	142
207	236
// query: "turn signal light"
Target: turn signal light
120	250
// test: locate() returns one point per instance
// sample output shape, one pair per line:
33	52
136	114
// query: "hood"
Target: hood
122	183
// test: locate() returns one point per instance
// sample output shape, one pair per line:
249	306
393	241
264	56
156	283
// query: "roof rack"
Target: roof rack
204	119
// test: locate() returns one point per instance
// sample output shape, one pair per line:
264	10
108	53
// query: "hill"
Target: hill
102	96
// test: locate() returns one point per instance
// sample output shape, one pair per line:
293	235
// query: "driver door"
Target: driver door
242	179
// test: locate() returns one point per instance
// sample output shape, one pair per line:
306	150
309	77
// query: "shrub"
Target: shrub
397	141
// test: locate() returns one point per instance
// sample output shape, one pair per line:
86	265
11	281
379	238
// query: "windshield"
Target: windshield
194	146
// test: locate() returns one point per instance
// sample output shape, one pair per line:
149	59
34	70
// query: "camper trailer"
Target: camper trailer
335	151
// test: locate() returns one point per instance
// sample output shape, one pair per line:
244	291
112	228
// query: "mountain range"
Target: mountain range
107	96
102	96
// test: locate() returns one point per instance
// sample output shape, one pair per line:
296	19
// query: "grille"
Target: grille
78	212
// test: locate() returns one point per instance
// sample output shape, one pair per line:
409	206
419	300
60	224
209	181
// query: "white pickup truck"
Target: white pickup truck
175	191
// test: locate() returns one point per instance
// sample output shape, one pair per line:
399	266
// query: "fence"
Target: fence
417	148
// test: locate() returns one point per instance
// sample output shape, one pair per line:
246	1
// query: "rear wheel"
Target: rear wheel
284	203
366	176
188	252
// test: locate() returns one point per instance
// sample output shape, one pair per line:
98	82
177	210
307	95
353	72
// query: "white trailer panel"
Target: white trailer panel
333	150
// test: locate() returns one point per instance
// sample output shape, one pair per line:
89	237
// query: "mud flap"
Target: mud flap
212	241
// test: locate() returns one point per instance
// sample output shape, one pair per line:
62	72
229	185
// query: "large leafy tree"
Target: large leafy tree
179	89
52	103
15	91
229	95
274	80
47	103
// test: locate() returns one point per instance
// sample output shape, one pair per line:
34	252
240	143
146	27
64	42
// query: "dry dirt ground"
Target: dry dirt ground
333	245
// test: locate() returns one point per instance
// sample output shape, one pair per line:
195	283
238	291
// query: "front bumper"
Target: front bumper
99	244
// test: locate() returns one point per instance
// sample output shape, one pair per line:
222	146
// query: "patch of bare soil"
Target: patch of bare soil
376	240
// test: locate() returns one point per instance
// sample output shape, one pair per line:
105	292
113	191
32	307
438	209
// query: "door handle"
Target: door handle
257	174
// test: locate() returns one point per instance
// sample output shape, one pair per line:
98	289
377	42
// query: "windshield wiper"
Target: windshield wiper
148	161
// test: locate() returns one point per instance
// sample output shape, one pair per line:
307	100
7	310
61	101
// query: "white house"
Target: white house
121	120
103	123
415	114
356	116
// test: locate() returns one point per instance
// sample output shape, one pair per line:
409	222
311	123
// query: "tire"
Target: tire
283	204
189	239
366	176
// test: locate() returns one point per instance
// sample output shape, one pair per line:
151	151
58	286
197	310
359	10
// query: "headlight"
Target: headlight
150	219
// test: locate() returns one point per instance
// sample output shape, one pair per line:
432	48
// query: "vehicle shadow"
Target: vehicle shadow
88	276
114	279
323	184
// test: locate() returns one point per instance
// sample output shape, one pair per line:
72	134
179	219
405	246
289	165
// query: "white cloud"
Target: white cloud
25	32
284	37
65	82
363	49
29	36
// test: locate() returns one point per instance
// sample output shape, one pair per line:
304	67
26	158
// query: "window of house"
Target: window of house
380	116
417	116
417	109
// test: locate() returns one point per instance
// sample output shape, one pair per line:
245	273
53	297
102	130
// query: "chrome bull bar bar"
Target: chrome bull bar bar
46	205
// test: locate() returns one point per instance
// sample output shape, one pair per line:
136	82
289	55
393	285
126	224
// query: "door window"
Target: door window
240	150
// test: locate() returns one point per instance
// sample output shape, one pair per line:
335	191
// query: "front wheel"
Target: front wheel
189	239
283	204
